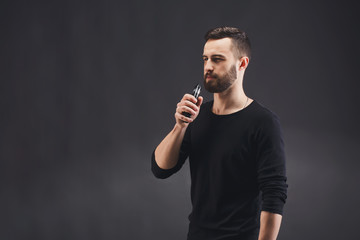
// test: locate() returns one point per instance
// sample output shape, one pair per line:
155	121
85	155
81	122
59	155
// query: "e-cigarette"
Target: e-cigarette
196	93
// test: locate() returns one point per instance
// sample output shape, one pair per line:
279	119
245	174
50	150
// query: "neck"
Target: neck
231	100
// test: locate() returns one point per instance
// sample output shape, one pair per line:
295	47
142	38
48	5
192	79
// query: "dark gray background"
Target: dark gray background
89	88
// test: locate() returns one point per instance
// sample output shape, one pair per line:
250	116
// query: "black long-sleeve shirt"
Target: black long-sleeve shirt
237	166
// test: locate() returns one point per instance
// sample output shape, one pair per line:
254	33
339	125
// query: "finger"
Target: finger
191	105
186	109
190	98
183	118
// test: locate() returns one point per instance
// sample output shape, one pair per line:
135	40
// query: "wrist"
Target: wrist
180	127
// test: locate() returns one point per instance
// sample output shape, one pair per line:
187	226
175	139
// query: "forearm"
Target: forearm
167	153
269	225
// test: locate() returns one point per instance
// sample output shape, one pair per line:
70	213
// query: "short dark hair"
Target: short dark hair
240	40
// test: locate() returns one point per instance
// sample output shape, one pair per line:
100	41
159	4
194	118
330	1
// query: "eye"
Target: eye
217	59
205	59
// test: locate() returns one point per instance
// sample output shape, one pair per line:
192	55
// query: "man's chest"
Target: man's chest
227	143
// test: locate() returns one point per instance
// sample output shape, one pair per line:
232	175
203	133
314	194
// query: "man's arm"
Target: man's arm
269	225
167	153
271	177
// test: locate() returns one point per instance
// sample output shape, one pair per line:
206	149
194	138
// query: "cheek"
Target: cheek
222	69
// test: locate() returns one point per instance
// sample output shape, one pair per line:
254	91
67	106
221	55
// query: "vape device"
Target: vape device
196	93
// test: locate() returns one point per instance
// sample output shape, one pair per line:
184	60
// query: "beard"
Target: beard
220	83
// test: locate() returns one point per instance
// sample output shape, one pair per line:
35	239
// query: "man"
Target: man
235	150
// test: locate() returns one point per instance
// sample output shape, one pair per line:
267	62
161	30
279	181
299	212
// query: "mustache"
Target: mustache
212	75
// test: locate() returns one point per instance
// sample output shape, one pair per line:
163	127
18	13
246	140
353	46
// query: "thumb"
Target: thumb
199	102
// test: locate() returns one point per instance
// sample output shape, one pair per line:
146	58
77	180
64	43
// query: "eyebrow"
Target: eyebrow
215	55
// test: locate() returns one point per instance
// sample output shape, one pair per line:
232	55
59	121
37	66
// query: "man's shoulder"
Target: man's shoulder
262	114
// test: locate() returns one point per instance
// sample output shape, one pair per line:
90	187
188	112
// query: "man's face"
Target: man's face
219	65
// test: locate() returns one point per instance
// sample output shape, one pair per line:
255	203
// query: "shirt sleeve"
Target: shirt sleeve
184	153
271	167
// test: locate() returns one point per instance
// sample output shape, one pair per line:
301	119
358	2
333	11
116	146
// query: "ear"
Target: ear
244	62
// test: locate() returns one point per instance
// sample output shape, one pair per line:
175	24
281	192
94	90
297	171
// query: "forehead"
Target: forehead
218	46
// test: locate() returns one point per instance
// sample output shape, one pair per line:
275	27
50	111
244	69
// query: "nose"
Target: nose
208	67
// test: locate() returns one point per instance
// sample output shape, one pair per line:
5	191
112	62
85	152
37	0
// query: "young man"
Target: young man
235	150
